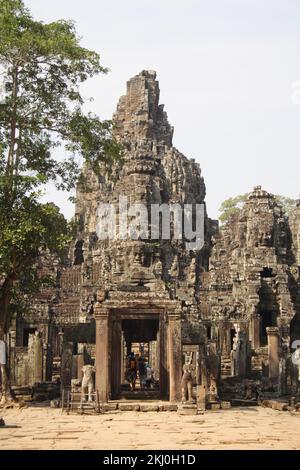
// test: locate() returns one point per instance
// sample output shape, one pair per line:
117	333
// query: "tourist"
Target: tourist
131	373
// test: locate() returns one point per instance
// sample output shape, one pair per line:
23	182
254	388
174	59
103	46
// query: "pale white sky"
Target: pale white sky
226	70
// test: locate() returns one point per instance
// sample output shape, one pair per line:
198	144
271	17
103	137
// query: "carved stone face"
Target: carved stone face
260	229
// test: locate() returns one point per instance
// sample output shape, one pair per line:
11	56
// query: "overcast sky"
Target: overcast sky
229	73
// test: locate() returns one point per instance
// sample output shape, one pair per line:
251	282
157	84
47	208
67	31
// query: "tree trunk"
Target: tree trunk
6	396
6	392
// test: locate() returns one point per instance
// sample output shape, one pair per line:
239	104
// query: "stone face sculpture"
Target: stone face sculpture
187	384
87	385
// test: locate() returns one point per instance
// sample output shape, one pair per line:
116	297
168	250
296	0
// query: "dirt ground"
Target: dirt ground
43	428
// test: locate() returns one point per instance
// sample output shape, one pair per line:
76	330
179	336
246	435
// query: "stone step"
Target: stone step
140	395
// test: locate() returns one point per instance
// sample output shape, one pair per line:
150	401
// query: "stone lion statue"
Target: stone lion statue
87	384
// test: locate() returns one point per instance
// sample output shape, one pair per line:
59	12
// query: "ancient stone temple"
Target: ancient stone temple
231	308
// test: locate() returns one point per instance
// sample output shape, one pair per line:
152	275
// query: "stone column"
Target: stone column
60	341
123	356
35	359
115	373
80	364
163	358
175	355
102	344
241	354
38	358
255	331
201	397
273	351
228	340
157	358
66	364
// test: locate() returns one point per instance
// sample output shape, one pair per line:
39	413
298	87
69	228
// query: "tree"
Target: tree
287	203
231	206
42	67
234	205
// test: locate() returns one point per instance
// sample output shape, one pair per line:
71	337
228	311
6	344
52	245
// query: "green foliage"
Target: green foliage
234	205
42	67
287	203
231	206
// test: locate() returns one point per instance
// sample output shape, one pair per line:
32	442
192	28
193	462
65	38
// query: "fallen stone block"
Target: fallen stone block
275	405
279	406
225	405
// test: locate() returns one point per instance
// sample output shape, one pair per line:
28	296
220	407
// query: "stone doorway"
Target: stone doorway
134	319
141	337
132	331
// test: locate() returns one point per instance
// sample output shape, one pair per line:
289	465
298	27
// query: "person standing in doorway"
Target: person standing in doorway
131	373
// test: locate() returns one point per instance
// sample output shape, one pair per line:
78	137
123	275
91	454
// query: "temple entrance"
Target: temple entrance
136	347
140	340
147	324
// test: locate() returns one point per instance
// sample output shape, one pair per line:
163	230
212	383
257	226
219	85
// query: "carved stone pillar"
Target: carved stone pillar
66	364
80	364
175	355
255	331
38	358
273	351
115	372
102	353
241	354
123	357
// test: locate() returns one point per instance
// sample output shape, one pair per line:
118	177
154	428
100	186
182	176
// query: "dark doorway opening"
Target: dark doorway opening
140	339
267	319
26	333
266	272
268	309
295	328
232	336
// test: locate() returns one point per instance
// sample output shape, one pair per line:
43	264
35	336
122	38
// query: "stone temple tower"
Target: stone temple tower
151	172
231	308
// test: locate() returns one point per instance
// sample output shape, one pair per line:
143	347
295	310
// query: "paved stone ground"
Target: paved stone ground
239	428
